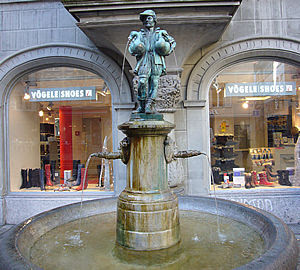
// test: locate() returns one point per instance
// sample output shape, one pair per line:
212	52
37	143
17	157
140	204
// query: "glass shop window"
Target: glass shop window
57	118
254	126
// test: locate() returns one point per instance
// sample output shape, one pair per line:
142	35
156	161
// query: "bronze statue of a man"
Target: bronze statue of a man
150	46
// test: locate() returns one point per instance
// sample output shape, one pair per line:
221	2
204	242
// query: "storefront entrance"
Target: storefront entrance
57	118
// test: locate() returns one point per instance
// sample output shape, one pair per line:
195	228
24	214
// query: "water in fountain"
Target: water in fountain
222	236
199	247
123	65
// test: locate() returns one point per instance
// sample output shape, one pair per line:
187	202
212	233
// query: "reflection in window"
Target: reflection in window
255	122
57	118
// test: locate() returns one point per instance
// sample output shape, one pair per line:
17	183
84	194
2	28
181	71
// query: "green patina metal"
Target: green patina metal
150	46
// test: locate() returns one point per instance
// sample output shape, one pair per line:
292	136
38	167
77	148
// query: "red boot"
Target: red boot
48	175
82	179
263	180
254	181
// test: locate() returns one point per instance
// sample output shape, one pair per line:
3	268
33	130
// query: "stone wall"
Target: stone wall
31	23
259	29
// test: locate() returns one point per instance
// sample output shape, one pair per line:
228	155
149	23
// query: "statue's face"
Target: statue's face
149	22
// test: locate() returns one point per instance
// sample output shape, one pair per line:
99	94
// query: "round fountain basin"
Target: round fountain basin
274	245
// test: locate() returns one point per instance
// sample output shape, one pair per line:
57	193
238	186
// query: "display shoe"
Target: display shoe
42	179
248	181
29	182
48	175
35	179
75	169
263	181
52	169
281	177
78	180
254	181
216	175
82	179
24	178
272	177
286	179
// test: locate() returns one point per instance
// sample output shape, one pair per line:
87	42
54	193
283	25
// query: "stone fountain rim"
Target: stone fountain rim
281	245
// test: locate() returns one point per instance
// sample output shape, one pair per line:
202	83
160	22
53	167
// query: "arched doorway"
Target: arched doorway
31	61
197	95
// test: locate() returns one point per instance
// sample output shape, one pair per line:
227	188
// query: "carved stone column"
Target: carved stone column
147	213
168	97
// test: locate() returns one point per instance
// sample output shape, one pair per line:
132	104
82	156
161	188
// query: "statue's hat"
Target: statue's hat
146	13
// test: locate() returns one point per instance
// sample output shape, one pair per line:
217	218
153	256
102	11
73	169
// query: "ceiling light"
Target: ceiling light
50	105
256	98
245	105
26	96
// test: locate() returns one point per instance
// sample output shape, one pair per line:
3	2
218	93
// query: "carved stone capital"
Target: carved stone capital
168	94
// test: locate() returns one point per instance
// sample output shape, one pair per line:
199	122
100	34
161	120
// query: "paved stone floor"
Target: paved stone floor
294	227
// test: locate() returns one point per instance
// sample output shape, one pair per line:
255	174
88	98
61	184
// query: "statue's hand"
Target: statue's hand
164	34
133	35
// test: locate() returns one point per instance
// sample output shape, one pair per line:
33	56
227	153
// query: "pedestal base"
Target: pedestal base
147	221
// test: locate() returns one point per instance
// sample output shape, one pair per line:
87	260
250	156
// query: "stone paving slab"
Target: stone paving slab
5	228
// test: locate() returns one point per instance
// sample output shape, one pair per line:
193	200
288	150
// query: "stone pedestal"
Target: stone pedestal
147	213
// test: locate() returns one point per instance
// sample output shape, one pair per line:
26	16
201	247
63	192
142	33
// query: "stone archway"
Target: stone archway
33	59
197	108
45	56
231	53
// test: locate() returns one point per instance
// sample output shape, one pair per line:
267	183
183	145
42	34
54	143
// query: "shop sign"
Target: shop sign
260	89
59	94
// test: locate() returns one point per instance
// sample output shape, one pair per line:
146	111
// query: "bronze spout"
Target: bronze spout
107	155
188	153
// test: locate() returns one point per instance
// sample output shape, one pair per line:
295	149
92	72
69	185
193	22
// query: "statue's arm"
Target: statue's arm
169	39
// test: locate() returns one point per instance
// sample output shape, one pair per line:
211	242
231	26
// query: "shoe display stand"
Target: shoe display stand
279	127
224	157
260	156
224	152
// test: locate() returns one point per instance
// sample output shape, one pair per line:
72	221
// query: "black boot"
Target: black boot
281	177
75	169
78	180
216	175
286	178
42	179
248	180
36	178
24	178
29	182
52	169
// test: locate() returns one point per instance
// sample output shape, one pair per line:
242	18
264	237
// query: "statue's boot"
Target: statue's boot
141	107
150	106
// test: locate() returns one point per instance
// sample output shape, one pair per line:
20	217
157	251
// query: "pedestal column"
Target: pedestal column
147	214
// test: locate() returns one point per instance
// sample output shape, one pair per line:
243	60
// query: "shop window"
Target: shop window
255	123
57	118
